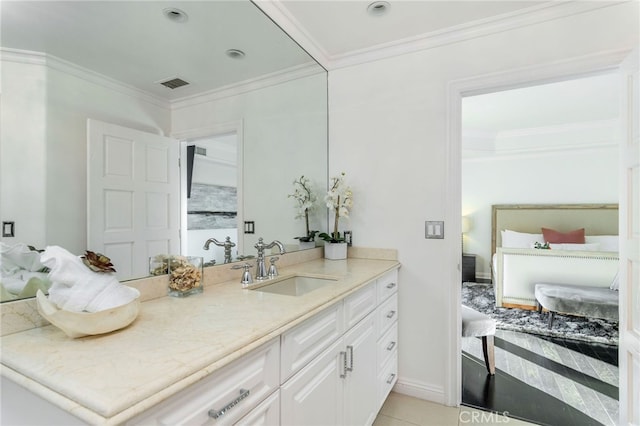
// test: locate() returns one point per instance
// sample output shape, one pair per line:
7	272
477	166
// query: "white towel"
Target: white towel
18	257
77	288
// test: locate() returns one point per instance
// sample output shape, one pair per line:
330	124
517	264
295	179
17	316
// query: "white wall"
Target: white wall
23	151
45	107
581	176
388	131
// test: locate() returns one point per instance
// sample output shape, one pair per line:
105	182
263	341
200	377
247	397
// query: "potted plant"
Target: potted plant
305	199
339	198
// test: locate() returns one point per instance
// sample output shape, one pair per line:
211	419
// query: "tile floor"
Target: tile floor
402	410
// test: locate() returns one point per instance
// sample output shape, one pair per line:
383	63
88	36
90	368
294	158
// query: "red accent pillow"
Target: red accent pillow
572	237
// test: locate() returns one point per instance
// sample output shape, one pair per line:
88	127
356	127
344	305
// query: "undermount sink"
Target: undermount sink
296	285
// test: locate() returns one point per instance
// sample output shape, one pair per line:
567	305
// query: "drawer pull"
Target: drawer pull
350	353
343	355
391	346
393	376
218	413
391	314
391	285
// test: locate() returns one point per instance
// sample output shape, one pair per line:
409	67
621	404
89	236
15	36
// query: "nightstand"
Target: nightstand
468	267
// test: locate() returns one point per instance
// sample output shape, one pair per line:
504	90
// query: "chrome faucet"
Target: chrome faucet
227	244
261	269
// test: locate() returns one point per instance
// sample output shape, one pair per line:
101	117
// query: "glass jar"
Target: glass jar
185	275
159	264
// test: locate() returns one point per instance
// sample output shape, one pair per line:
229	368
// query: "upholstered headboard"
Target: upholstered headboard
597	219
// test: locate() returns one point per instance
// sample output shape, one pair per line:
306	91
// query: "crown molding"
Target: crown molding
608	124
598	134
58	64
235	89
280	15
528	16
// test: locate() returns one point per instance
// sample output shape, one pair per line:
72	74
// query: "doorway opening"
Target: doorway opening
210	195
548	143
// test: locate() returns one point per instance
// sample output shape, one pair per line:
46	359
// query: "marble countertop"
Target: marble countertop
173	343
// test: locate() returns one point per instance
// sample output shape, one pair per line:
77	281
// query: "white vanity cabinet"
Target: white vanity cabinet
342	385
334	368
225	396
387	338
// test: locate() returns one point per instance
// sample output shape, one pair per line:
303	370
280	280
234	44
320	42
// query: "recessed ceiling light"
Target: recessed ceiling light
235	53
378	8
175	15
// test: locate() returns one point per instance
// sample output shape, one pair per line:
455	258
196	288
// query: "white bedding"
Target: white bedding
516	271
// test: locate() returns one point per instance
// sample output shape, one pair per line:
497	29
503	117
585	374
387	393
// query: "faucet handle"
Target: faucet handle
246	275
273	271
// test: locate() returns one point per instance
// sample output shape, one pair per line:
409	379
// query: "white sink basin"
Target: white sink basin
296	285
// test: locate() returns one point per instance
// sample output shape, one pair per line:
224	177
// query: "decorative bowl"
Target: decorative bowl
80	324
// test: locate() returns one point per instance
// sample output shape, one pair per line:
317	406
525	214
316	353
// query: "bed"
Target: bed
517	266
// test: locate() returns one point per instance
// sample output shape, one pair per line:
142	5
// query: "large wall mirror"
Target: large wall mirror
229	92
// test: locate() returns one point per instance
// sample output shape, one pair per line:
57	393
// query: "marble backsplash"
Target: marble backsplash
23	314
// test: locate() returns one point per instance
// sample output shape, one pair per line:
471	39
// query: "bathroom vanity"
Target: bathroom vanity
227	356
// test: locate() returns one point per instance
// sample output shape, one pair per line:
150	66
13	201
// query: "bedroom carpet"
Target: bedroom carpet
481	297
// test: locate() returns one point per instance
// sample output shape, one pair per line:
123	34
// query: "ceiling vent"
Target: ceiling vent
174	83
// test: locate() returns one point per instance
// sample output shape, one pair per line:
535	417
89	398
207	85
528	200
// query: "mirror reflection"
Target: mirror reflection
251	119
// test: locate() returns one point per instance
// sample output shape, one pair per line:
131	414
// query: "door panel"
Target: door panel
630	244
133	196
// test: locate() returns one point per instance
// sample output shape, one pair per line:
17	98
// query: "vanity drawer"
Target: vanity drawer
387	378
267	413
228	393
305	341
387	285
359	305
387	314
387	345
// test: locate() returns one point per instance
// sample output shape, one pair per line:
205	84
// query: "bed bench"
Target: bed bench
586	301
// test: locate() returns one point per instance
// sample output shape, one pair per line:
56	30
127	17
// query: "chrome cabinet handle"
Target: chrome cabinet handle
350	353
391	285
391	314
393	376
218	413
391	346
343	355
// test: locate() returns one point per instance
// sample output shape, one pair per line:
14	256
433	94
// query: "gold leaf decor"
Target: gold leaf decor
97	262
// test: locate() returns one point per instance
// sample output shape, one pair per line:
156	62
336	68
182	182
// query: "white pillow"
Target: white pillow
575	247
607	242
513	239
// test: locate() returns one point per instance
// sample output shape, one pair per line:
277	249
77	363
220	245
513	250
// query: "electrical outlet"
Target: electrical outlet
434	229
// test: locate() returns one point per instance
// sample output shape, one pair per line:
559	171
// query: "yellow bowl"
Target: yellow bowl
79	324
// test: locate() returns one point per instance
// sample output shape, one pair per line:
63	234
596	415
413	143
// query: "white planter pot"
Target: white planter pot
303	245
335	251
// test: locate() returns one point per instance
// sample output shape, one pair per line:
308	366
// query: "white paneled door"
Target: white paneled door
133	196
630	245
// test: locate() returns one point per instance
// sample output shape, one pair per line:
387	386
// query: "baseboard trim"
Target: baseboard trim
420	390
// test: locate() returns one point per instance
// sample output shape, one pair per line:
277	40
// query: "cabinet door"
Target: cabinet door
314	395
360	385
267	413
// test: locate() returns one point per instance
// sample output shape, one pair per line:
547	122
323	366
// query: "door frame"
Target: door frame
202	132
609	61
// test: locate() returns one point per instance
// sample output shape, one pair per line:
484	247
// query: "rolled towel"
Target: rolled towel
77	288
19	256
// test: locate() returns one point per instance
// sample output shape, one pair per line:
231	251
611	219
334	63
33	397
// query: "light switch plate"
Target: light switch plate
434	229
8	229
